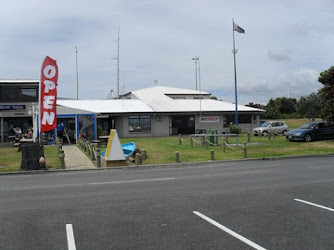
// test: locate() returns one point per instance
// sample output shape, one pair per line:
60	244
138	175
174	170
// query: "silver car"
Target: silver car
278	127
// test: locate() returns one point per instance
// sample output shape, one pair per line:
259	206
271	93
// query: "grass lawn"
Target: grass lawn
10	158
162	150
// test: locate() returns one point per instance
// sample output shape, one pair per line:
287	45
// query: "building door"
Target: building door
182	124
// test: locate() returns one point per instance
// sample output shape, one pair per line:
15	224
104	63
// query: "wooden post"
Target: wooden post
177	157
227	139
98	157
248	136
137	159
191	141
144	154
180	142
269	135
212	155
206	142
244	147
62	159
223	144
93	153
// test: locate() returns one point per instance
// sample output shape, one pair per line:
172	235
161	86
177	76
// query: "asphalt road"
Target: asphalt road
234	205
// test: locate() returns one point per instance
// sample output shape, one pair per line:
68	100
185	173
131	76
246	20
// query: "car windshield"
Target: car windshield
266	124
308	126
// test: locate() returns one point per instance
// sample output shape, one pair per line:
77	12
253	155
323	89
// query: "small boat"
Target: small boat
128	149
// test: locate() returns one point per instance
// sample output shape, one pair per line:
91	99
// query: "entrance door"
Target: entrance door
69	123
182	125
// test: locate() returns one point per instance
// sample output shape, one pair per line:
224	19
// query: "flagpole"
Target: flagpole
235	78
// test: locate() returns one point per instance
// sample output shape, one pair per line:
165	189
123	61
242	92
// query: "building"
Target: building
154	111
164	111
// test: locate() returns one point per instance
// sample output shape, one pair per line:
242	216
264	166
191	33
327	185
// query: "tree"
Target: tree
327	94
310	106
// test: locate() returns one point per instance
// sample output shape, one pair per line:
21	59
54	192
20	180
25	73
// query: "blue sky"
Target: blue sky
286	45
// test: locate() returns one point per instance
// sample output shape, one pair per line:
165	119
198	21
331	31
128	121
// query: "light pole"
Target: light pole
196	60
76	65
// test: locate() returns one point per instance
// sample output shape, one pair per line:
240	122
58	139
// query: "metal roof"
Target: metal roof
161	92
151	106
107	106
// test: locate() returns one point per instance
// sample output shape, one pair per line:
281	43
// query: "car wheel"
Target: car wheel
264	133
284	132
308	138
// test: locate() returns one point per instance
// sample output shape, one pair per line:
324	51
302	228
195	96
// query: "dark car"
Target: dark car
311	131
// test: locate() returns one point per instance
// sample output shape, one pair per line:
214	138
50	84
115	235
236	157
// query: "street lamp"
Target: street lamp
196	72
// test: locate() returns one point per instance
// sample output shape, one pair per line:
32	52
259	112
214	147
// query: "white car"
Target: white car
278	127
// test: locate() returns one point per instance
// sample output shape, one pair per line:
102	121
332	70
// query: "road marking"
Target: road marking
234	234
144	180
316	205
70	237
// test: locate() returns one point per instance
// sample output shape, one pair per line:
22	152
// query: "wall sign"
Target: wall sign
209	119
11	107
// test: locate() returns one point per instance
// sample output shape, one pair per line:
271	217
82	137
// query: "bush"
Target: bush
234	129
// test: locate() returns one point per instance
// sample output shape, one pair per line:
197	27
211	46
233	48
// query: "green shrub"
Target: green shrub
234	129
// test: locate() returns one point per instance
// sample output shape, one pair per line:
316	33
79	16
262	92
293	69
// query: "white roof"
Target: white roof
195	105
107	106
151	106
160	92
19	81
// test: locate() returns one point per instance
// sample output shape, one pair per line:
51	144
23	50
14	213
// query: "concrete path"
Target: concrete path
75	158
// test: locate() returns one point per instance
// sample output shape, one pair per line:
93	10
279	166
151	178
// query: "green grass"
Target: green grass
10	158
162	150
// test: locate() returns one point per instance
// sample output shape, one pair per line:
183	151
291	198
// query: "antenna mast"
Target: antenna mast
118	64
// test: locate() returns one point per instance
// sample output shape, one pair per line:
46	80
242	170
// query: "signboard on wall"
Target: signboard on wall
12	107
209	119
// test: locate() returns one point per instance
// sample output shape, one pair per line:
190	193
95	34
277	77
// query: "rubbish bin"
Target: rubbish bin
212	139
31	153
209	132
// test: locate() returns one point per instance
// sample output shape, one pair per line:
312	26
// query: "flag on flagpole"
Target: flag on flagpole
237	28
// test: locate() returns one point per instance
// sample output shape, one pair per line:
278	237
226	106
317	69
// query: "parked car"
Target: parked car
311	131
278	127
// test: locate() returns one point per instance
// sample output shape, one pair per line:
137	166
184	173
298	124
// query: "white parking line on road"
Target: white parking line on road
143	180
316	205
234	234
70	237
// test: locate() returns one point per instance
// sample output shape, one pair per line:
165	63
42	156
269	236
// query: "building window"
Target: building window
139	123
18	94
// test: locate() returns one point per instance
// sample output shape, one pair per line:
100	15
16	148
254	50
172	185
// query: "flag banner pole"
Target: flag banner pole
48	95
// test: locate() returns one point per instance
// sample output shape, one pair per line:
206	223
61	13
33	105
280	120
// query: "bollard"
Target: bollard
206	142
59	147
180	142
144	154
62	159
89	148
269	136
191	141
93	154
227	139
244	149
98	157
248	136
212	155
223	144
137	159
140	159
177	157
